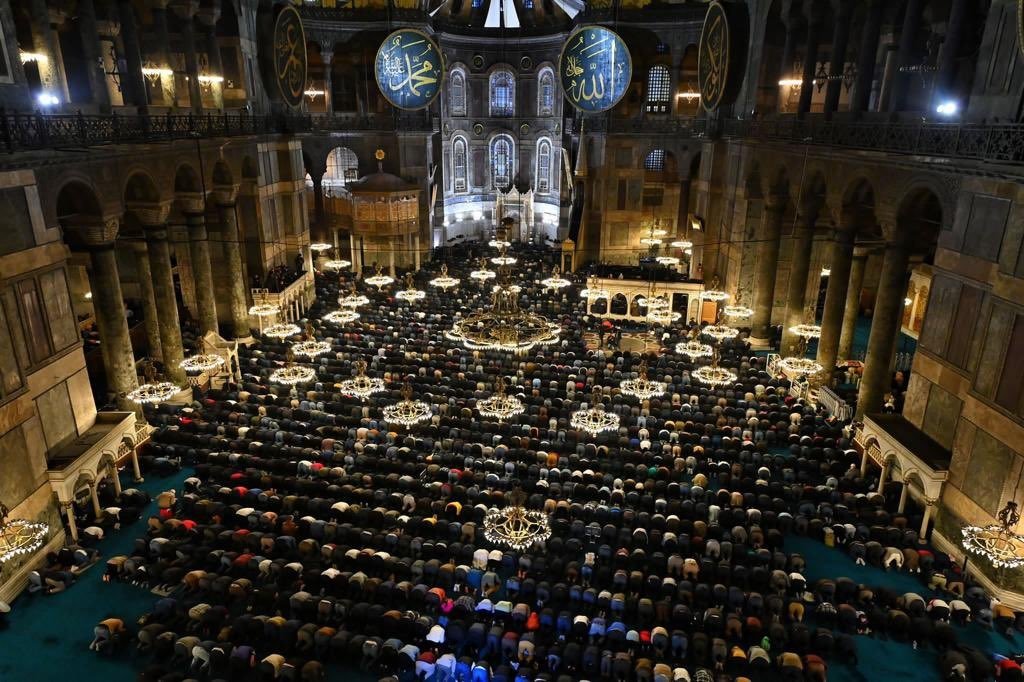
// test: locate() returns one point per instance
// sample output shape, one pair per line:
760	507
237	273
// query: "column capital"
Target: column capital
861	251
191	203
225	195
208	17
95	231
185	9
151	214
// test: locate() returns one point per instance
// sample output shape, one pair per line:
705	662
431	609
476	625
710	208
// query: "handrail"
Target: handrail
1000	143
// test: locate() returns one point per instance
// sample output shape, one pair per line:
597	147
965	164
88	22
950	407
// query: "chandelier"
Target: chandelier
410	293
500	406
514	288
594	420
379	279
483	274
799	366
282	330
353	299
997	542
667	260
264	310
499	243
738	312
319	247
203	362
642	387
504	260
592	292
311	348
650	241
806	331
292	374
18	536
362	386
663	316
714	293
515	526
504	326
712	375
682	244
407	412
694	349
444	281
337	264
719	332
341	316
555	281
152	391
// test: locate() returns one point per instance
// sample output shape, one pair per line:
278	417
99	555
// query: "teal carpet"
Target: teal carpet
48	636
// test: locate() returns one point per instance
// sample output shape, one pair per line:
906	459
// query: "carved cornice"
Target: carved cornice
191	202
150	214
95	231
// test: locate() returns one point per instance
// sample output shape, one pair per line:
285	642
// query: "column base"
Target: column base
140	479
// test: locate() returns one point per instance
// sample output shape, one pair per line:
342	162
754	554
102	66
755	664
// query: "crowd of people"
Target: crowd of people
312	532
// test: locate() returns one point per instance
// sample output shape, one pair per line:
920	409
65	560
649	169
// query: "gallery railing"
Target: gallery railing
21	132
1000	143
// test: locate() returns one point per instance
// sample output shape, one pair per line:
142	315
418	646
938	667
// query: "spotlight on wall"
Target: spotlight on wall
947	108
47	99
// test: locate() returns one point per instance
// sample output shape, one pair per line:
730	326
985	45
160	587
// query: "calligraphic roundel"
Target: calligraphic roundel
721	54
290	58
594	69
409	69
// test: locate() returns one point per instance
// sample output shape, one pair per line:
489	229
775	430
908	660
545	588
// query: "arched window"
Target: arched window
543	165
655	160
457	89
658	86
546	93
342	168
459	164
503	94
502	150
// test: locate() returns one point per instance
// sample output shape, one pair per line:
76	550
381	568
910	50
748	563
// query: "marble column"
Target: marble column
327	55
767	268
94	70
132	82
154	221
97	510
866	56
837	61
810	66
194	210
45	42
225	199
69	512
840	262
851	310
803	241
908	39
208	17
884	324
357	261
162	51
923	533
150	316
108	307
946	75
186	11
114	478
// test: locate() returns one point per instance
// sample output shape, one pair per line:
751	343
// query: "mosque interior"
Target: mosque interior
511	340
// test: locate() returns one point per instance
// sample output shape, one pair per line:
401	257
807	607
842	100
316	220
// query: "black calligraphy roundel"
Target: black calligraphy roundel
409	69
290	56
713	57
595	69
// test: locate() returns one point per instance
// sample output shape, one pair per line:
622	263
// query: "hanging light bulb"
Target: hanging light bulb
282	330
341	316
738	312
203	362
320	247
593	292
483	274
310	348
444	281
337	264
713	375
694	349
152	391
797	365
19	536
292	374
720	332
353	299
515	526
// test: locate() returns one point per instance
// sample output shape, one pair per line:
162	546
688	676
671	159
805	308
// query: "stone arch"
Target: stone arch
635	309
222	174
618	305
341	166
187	180
141	187
920	216
250	170
599	307
77	197
85	480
